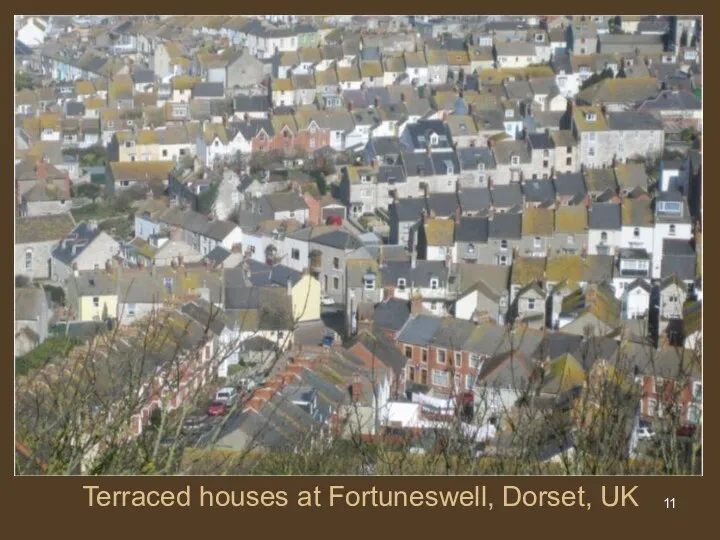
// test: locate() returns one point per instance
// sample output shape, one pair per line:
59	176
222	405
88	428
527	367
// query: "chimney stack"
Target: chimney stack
416	304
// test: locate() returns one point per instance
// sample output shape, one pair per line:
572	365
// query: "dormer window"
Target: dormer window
365	179
481	166
539	38
449	167
434	139
670	207
369	281
636	232
515	160
401	284
434	283
471	248
537	242
590	116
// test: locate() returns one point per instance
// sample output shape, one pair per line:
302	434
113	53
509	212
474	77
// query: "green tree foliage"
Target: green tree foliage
91	191
23	81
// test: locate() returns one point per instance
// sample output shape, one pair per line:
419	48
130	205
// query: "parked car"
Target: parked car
227	395
327	301
645	432
218	408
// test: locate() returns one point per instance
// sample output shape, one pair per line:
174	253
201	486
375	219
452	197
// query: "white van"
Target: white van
227	395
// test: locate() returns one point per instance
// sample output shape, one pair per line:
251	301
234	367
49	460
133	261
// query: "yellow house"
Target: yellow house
92	296
305	294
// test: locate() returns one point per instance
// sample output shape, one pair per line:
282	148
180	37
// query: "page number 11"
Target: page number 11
670	504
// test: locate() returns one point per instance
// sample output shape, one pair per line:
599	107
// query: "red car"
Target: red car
217	408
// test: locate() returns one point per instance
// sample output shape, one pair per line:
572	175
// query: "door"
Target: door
423	376
411	374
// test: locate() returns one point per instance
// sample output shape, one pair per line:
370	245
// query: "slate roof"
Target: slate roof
470	158
409	209
605	216
420	275
391	314
679	258
82	237
208	90
570	184
506	226
539	191
443	204
507	196
633	121
338	239
540	141
472	229
475	199
420	330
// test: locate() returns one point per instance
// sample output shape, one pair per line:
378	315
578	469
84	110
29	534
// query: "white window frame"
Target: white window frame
441	375
401	284
96	301
434	283
28	263
444	356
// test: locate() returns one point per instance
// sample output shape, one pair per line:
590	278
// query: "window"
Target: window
458	359
182	151
671	232
476	361
401	283
568	161
546	164
603	236
673	299
503	244
295	254
336	263
570	238
636	232
469	380
312	143
697	391
164	153
694	414
28	259
440	378
96	301
503	260
424	356
591	152
434	283
336	283
515	160
471	248
132	158
531	303
441	356
408	352
128	144
537	242
368	283
131	310
652	407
